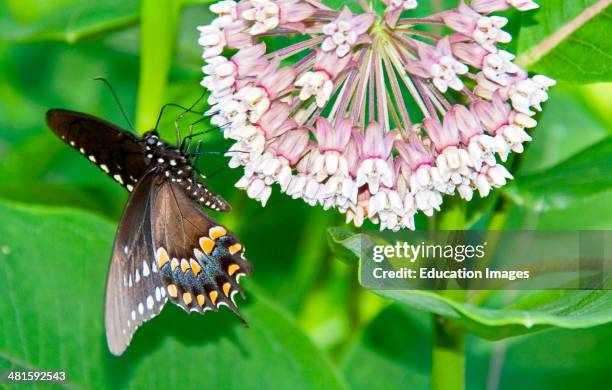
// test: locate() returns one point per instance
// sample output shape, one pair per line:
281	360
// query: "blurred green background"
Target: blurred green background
311	325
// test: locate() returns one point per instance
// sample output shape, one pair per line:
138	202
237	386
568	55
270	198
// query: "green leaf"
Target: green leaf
71	22
568	40
53	266
500	314
583	175
398	343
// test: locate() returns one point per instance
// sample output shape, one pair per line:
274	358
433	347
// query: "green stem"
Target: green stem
310	255
448	357
158	31
454	216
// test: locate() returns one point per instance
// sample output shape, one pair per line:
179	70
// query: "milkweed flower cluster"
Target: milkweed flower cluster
378	117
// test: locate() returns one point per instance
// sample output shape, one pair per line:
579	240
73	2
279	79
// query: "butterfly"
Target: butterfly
166	247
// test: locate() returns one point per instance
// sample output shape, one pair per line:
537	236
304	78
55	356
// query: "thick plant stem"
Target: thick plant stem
448	356
158	30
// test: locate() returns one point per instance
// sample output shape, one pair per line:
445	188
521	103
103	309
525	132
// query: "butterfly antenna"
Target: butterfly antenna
182	114
108	84
161	112
216	172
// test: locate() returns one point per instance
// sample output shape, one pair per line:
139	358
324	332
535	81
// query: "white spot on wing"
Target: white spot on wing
133	315
157	294
118	178
137	277
92	158
150	302
104	168
145	268
130	187
140	308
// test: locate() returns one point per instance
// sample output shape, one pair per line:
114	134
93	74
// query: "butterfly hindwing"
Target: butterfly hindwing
115	151
200	261
135	291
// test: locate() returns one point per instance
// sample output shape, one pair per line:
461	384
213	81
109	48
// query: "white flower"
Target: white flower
226	10
312	190
530	93
512	137
317	84
488	32
404	4
497	66
227	113
339	37
271	169
256	101
265	14
491	177
255	188
330	163
523	5
454	165
212	40
374	171
388	204
339	191
445	71
482	149
422	186
220	78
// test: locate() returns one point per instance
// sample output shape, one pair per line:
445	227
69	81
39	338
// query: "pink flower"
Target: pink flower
439	64
332	143
485	30
489	6
342	34
249	61
297	111
274	80
374	149
395	8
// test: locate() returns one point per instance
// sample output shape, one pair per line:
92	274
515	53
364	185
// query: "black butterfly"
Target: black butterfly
166	247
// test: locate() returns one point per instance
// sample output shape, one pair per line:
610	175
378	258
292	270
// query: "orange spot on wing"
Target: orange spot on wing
216	232
207	245
195	267
213	296
162	257
174	263
172	290
231	270
201	299
226	288
233	249
187	298
184	265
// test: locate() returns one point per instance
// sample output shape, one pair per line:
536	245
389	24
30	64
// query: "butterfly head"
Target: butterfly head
151	138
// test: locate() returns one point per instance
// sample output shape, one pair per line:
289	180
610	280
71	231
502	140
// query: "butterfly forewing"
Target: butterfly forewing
115	151
135	291
200	261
